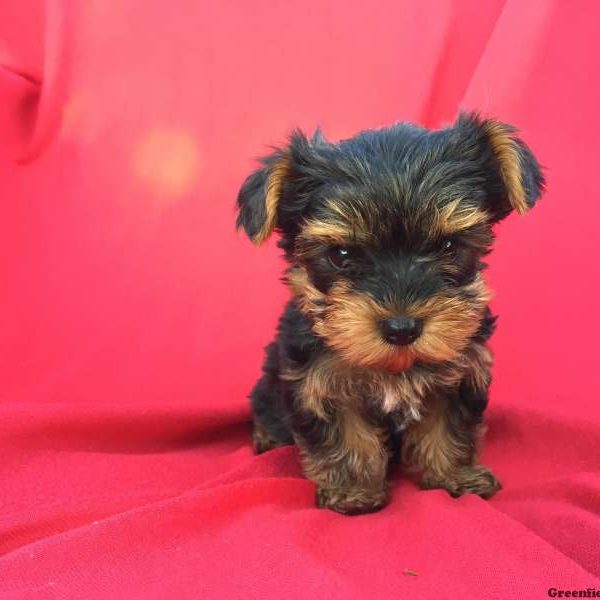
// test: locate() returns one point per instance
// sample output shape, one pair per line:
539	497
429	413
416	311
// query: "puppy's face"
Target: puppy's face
385	232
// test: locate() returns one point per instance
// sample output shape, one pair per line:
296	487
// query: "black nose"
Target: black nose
401	331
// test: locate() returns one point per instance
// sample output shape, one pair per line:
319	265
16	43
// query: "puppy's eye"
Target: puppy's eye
448	245
340	256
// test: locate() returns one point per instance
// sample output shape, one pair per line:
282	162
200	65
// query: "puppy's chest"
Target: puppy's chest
401	395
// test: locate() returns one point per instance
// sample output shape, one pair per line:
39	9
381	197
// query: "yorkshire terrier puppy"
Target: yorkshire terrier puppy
382	348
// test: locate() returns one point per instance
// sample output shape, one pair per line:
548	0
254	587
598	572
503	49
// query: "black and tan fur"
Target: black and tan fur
391	224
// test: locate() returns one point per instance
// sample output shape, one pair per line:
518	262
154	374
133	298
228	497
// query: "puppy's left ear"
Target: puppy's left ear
518	181
259	196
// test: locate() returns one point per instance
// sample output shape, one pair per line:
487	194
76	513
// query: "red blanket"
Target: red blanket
132	317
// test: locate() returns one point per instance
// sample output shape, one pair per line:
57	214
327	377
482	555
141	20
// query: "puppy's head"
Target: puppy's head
385	232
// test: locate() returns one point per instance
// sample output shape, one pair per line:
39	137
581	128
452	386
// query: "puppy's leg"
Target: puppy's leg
269	423
345	454
263	439
445	443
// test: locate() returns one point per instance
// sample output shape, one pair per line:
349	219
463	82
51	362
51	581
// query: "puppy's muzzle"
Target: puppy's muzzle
400	331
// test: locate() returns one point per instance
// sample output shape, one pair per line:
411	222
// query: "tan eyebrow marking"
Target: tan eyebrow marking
455	217
328	231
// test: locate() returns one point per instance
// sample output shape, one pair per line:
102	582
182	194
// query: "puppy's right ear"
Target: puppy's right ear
258	199
520	180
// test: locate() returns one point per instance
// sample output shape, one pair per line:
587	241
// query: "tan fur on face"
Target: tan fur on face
277	175
507	152
348	322
310	300
353	219
351	228
455	217
326	232
450	322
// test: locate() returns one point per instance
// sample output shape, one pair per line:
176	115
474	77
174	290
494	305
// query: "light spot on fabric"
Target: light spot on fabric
166	161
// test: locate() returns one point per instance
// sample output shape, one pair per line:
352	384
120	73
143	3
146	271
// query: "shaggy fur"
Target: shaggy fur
383	343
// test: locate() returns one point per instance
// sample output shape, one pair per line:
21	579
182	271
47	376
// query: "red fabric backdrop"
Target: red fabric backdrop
132	316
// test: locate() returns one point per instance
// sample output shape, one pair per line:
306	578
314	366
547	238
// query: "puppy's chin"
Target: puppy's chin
389	359
398	361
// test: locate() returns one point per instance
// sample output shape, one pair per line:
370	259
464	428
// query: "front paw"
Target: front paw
352	501
464	480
